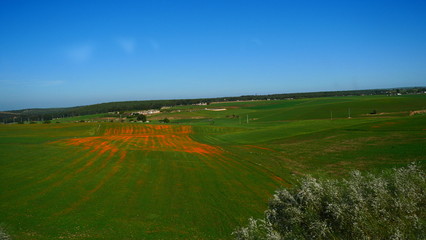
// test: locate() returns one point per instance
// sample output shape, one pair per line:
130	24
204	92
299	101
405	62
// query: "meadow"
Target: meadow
198	177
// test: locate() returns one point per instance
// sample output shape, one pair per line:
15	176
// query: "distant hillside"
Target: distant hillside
37	114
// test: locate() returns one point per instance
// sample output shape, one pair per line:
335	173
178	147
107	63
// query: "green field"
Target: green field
198	177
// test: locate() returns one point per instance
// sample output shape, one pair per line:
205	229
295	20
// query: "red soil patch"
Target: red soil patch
384	124
100	147
116	142
146	138
279	179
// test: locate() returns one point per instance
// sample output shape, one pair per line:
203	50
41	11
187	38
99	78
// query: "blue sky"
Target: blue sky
67	53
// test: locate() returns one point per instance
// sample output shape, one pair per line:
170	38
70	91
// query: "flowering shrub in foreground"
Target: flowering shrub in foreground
390	205
3	234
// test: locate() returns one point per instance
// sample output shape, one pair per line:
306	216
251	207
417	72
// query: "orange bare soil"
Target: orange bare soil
146	138
117	141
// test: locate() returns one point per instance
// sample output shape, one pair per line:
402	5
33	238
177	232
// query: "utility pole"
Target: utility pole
331	115
247	119
349	111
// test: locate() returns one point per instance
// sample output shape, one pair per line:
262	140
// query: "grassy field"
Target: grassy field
199	176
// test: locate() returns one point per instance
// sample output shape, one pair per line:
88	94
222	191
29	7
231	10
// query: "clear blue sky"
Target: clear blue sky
67	53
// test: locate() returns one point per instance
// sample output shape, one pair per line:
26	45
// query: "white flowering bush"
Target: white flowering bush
3	234
390	205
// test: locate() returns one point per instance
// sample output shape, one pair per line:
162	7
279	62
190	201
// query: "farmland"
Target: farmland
198	177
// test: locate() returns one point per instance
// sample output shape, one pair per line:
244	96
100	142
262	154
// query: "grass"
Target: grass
198	177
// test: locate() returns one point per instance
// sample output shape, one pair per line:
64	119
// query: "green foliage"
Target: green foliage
141	117
390	205
165	120
257	229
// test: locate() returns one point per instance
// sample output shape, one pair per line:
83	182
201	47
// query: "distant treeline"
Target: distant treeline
43	114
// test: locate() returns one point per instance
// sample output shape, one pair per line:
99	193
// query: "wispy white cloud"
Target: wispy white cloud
127	44
250	44
257	41
154	44
52	83
80	53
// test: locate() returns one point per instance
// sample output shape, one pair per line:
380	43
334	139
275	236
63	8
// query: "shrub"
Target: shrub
141	117
165	120
3	234
390	205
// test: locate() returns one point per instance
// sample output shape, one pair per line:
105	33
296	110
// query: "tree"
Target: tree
390	205
141	117
166	120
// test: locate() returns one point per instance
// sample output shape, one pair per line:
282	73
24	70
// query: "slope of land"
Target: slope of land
198	177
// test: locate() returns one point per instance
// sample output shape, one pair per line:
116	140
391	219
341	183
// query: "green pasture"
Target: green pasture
51	189
310	108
